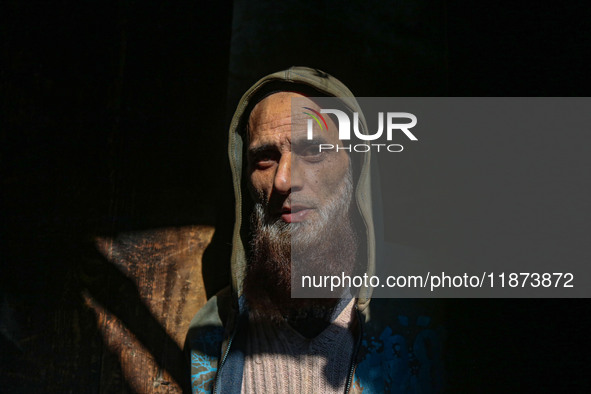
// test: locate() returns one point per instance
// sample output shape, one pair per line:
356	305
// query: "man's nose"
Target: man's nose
282	182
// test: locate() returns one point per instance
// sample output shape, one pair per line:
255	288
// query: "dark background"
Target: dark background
114	117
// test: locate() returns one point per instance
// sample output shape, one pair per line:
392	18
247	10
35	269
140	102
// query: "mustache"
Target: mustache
275	206
268	210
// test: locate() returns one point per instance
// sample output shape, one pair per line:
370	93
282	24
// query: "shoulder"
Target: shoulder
215	312
209	323
204	339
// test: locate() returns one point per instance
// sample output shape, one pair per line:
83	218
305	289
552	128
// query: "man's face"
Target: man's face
286	171
301	222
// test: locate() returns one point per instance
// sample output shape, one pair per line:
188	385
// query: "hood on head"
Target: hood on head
313	83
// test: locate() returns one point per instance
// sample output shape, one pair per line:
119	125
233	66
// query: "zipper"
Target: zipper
217	377
357	345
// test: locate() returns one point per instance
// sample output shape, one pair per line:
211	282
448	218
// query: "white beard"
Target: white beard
324	245
301	236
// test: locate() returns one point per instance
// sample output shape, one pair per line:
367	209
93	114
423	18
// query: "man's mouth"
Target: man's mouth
295	213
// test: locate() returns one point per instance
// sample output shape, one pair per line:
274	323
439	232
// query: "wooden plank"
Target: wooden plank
144	339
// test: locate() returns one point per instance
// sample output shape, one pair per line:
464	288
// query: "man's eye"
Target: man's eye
312	153
264	162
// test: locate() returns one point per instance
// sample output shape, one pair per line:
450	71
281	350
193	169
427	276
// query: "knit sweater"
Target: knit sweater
281	360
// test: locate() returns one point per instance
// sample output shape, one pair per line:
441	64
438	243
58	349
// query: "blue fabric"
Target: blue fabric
230	374
399	350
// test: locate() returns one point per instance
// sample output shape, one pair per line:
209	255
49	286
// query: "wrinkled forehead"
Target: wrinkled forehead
276	113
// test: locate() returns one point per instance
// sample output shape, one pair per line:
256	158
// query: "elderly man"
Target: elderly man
303	210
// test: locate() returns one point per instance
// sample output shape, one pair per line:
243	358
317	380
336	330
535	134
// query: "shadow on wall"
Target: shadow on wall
154	287
111	317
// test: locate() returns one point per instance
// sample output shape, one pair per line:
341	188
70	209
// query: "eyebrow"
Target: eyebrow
299	144
304	143
265	148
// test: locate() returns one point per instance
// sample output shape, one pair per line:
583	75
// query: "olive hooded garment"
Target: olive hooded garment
397	349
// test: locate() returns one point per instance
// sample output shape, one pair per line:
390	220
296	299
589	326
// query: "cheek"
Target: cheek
328	176
261	182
